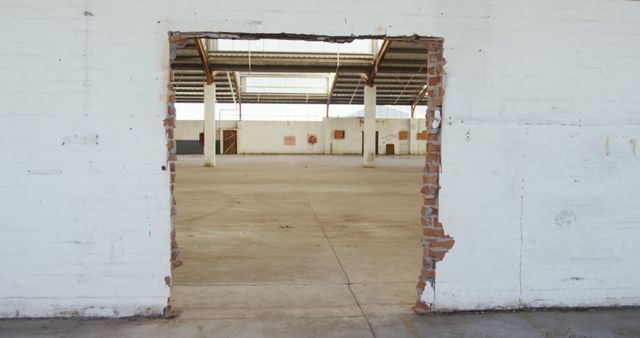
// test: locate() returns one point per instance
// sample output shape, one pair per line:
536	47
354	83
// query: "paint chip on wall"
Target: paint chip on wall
312	138
289	140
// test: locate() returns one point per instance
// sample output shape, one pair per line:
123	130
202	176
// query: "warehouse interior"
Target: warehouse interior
304	76
267	206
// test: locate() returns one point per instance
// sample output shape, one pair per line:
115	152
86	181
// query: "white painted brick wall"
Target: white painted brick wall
267	137
535	88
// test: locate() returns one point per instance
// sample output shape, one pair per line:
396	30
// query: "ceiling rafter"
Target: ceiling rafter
204	58
236	82
419	98
395	73
376	63
333	88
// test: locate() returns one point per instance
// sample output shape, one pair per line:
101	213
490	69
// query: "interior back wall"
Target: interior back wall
270	137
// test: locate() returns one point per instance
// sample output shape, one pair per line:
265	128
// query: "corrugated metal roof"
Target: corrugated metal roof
400	78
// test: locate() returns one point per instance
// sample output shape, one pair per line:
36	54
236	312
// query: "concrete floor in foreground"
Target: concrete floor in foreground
297	235
310	246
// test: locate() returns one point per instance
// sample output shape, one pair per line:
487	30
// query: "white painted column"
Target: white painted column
327	135
210	125
369	155
412	137
221	137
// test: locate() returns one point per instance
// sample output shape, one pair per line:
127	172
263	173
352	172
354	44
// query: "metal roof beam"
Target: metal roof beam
415	102
333	87
376	63
283	68
205	60
397	50
233	94
236	82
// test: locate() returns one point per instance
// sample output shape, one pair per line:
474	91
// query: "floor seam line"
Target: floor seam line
335	254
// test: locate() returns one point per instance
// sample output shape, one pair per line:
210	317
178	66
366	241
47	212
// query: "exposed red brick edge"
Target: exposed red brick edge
435	242
169	124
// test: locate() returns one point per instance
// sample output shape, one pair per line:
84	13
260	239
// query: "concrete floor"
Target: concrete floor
297	235
310	246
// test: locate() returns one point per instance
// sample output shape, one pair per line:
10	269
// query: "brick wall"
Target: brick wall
435	242
539	170
170	124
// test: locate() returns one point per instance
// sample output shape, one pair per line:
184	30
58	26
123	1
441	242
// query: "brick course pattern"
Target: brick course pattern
170	124
435	242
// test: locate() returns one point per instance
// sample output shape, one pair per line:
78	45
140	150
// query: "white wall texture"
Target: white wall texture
352	142
188	129
191	129
389	133
267	137
540	177
417	146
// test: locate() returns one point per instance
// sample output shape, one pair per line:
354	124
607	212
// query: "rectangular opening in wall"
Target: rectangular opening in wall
269	219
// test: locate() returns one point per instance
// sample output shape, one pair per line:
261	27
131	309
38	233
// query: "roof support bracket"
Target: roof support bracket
236	82
333	88
233	95
205	60
421	95
376	63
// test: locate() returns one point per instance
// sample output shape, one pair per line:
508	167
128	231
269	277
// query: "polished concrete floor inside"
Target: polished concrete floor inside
297	235
310	246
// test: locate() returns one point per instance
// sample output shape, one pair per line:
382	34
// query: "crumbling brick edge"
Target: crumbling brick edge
435	242
169	125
